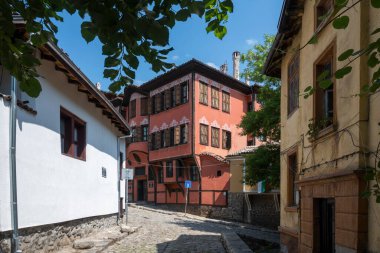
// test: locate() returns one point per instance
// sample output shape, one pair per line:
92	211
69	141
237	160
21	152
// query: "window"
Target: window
167	96
172	136
250	106
153	104
153	141
140	171
169	169
193	173
324	100
219	173
134	134
203	93
226	139
162	102
132	109
150	173
204	134
144	106
144	132
73	135
293	84
158	140
158	103
214	98
215	137
323	11
184	92
163	144
225	102
172	95
292	177
183	134
160	176
179	168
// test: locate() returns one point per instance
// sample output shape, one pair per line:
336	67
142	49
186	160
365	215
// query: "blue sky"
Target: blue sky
248	23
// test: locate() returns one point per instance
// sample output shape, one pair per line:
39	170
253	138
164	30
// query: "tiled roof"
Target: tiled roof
246	150
217	157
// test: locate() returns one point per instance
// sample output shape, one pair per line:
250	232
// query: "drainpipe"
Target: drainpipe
243	174
118	179
12	166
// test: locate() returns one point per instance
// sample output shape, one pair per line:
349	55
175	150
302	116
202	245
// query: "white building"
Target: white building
67	164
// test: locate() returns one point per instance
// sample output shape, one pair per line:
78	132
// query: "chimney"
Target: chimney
224	68
98	86
236	64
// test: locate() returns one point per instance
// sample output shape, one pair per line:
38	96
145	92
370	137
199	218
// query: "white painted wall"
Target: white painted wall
53	187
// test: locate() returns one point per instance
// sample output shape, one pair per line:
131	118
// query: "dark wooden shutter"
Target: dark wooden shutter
177	135
178	94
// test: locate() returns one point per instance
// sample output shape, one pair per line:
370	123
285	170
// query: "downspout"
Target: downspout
12	165
244	174
119	179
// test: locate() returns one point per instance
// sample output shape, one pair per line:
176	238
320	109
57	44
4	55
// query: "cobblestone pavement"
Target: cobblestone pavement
172	232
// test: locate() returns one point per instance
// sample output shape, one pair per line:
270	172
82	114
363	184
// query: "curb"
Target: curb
233	244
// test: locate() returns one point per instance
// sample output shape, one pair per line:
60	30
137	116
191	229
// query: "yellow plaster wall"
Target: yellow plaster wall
351	110
373	141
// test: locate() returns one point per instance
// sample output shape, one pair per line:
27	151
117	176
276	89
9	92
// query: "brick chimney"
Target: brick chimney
236	64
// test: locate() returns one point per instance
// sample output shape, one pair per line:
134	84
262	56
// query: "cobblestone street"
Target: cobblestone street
172	232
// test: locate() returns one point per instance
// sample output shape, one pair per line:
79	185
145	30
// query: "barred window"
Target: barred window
203	93
226	139
204	134
214	97
293	84
225	102
215	137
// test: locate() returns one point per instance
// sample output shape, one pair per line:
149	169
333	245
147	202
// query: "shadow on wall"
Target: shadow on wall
193	243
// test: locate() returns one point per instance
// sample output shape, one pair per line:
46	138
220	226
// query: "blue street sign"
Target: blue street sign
187	184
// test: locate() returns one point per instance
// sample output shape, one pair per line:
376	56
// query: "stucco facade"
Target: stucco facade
173	150
53	187
329	165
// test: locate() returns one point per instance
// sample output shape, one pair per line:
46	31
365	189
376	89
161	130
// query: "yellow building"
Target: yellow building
328	139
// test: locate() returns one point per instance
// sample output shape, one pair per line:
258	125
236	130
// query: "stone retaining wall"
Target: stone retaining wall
51	237
263	210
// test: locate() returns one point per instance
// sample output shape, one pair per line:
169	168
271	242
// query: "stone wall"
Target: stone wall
51	237
263	211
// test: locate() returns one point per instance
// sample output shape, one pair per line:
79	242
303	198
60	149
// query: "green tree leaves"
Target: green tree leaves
375	3
264	164
341	22
130	31
345	55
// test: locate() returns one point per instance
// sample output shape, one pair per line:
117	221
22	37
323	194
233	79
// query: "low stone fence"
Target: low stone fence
263	210
53	236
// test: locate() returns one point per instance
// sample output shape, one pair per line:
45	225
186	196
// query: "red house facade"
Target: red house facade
184	124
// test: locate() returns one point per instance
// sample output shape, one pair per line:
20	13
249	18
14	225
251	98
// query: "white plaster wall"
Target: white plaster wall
53	187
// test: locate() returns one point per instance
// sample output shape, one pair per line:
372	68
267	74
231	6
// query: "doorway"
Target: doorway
141	190
324	225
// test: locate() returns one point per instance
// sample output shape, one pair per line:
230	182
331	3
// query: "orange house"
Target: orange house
184	124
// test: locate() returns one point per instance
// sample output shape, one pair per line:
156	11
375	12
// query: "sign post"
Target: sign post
127	174
187	186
